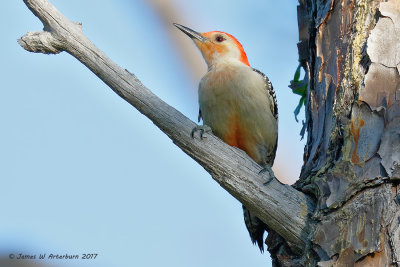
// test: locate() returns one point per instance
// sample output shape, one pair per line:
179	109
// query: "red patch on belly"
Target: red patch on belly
235	135
238	136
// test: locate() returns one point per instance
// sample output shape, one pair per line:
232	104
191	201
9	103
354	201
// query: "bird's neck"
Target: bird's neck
225	63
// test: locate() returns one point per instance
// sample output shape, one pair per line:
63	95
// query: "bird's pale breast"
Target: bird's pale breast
234	102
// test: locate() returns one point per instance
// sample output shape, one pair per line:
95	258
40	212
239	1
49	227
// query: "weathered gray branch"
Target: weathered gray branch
281	207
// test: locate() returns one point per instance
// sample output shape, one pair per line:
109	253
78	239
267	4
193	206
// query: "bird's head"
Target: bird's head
216	47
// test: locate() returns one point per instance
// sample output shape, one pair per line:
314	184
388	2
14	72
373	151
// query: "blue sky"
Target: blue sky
83	172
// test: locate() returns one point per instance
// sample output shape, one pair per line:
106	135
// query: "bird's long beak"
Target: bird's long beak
191	33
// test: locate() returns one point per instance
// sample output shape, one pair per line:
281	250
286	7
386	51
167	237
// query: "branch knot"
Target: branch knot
41	42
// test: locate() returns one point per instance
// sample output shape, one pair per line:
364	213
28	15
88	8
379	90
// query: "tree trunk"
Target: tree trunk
350	50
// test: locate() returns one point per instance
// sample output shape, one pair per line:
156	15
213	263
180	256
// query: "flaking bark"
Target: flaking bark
351	160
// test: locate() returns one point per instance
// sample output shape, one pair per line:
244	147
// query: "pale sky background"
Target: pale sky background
82	171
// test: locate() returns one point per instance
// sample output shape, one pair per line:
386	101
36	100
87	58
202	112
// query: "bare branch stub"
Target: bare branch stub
284	209
40	42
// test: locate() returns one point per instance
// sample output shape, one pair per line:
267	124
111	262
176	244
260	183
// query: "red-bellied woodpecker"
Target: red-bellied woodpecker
238	103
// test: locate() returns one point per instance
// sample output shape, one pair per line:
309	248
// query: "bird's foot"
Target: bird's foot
202	128
270	174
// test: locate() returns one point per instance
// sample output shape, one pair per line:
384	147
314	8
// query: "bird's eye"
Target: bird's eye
219	38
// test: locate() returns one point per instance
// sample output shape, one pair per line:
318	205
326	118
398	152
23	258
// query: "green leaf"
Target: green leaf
301	91
299	87
298	108
297	74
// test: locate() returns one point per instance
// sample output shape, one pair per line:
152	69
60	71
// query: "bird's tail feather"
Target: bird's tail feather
255	227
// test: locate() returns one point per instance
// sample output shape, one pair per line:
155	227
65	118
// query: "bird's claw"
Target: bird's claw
270	174
268	181
202	128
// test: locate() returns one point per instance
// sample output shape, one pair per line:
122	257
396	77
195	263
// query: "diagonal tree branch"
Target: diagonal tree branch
284	209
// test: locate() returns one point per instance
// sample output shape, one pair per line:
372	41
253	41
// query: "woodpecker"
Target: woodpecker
238	103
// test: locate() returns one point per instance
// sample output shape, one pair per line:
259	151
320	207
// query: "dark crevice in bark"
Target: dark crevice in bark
311	86
361	187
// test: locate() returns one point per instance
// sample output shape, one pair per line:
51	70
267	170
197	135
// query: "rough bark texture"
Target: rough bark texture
350	50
